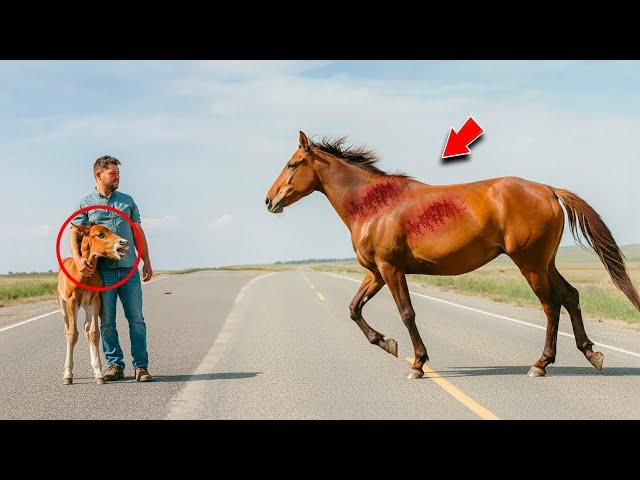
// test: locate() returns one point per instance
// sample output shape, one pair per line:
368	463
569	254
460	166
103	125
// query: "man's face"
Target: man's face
109	177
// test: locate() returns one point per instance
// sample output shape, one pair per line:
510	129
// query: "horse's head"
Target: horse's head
297	179
100	241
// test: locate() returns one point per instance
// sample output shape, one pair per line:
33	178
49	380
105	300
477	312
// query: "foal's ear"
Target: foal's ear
304	142
81	229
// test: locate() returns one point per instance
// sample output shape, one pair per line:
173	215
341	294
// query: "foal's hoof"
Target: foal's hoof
596	360
392	347
415	374
536	372
100	381
67	381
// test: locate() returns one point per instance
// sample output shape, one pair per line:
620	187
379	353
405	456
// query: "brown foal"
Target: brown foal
399	225
97	241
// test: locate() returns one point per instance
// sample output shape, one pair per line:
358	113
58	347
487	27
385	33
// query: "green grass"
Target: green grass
494	288
499	280
10	292
595	300
503	282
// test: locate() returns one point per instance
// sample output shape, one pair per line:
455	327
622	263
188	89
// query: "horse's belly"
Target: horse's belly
453	262
454	250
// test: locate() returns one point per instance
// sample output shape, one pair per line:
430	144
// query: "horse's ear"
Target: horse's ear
304	142
81	229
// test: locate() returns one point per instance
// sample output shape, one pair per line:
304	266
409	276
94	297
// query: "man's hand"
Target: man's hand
84	267
147	272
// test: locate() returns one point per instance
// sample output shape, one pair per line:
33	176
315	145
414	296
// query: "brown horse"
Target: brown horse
97	241
399	225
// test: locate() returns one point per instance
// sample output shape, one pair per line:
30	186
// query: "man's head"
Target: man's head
107	173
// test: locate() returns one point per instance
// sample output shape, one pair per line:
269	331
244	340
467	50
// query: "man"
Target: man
107	176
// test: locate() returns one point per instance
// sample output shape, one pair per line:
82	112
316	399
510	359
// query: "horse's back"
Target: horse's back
455	229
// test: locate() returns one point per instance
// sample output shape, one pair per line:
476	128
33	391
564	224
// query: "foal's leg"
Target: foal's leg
371	284
71	332
541	285
397	283
571	301
93	336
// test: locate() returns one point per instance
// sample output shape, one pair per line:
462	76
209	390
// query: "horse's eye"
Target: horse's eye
291	165
100	235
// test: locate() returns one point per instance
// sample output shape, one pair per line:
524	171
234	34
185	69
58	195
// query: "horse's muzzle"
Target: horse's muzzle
273	208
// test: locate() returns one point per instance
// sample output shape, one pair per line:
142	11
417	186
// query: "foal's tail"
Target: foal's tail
599	239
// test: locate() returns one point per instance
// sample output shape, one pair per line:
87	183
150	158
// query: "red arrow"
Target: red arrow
458	143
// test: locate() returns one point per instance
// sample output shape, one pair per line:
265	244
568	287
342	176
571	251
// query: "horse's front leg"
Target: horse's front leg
397	283
371	284
70	311
92	331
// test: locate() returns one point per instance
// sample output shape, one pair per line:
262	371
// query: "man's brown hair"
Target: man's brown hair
103	162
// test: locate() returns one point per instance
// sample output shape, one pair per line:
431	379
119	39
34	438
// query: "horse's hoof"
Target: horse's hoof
67	381
100	381
415	374
536	372
392	347
596	360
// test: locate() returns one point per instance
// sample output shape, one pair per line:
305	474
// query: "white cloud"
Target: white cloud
222	222
38	232
160	223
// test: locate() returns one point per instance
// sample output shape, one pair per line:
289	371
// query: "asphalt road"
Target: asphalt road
255	345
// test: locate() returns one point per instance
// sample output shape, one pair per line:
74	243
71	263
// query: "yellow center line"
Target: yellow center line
307	280
459	395
320	296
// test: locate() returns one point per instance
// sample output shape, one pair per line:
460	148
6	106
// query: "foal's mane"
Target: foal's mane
359	156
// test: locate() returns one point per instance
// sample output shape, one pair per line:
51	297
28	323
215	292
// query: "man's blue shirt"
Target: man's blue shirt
112	221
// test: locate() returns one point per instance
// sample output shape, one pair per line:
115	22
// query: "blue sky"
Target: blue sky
201	142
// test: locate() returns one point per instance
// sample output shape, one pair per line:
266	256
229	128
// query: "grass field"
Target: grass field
21	288
18	288
499	280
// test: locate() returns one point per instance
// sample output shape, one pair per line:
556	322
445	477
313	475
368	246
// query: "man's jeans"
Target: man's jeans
131	297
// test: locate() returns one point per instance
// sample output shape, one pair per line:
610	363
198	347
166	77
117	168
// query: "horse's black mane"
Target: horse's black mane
359	156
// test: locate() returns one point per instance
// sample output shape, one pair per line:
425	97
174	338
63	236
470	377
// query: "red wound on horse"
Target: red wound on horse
375	197
433	216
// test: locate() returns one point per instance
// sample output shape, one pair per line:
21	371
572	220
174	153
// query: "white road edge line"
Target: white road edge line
514	320
185	404
23	322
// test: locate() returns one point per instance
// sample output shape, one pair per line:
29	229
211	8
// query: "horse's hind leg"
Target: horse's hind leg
397	283
540	283
371	284
93	336
571	301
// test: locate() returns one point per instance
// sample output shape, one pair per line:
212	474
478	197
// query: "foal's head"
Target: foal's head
297	179
100	241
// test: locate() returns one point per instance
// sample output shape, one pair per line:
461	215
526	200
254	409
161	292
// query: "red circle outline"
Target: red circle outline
135	232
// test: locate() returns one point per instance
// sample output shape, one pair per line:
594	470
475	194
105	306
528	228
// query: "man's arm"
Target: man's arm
83	265
147	271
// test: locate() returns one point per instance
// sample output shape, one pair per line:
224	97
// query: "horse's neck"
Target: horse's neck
338	179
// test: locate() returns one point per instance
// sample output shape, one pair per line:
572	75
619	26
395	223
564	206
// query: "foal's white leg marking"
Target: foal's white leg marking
90	326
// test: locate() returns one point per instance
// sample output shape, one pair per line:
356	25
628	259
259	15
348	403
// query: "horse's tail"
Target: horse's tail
600	240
